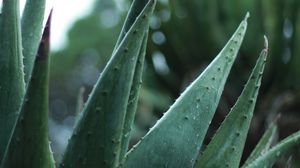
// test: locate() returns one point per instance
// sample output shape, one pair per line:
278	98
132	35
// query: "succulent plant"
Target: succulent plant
101	135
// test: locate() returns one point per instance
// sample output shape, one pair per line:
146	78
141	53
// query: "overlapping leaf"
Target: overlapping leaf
32	26
263	145
133	100
29	145
97	138
226	147
135	9
270	157
178	135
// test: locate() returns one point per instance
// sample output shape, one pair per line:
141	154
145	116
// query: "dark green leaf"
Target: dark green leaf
97	137
29	145
12	86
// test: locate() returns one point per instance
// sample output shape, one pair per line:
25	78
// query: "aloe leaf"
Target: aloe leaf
269	158
29	145
133	99
32	26
12	86
226	147
263	144
177	137
136	8
97	137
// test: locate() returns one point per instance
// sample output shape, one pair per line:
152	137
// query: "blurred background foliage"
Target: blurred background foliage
184	37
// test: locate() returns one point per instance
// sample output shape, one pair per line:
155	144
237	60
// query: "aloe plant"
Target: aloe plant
101	134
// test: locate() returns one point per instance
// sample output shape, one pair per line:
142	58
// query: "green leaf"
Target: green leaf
226	147
177	137
32	26
133	100
269	158
136	8
97	137
29	145
263	144
12	86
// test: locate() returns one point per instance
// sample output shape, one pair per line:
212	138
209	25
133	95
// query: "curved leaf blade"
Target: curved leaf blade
226	147
12	86
97	137
269	158
263	145
177	137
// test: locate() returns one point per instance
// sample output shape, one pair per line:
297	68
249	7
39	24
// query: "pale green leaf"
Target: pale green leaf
226	147
176	138
32	26
133	100
263	145
135	9
270	157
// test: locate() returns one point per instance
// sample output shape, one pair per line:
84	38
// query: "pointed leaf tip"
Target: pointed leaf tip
247	16
264	52
235	126
191	113
266	43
